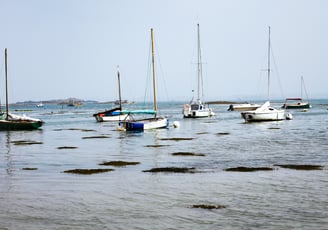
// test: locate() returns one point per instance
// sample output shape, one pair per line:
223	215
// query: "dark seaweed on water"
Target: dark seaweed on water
177	139
248	169
155	146
29	168
88	171
223	134
27	142
95	137
119	163
208	206
171	169
67	147
300	167
187	154
201	133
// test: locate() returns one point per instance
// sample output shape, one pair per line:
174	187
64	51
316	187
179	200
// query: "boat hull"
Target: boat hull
251	116
297	106
101	118
109	115
6	125
200	112
145	124
119	115
243	107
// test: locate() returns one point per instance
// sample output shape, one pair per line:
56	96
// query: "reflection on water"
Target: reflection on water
6	150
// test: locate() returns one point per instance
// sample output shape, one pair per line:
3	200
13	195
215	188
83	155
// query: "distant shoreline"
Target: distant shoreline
65	101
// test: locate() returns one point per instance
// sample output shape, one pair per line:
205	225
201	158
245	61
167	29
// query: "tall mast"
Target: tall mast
269	47
153	65
6	74
119	87
301	86
199	65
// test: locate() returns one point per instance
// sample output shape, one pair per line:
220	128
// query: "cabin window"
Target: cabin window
194	107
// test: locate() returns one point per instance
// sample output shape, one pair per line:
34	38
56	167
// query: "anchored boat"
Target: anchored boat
198	108
266	112
10	121
156	122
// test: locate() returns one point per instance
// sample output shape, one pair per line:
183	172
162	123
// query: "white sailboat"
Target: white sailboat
156	122
198	108
266	112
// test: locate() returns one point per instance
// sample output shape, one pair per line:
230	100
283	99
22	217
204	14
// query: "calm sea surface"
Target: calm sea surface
128	198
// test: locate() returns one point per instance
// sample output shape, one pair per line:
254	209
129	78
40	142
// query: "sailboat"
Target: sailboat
156	122
118	114
198	108
15	122
114	114
297	102
266	112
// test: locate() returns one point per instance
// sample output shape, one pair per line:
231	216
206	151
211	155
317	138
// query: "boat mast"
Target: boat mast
119	87
199	65
303	85
153	65
269	63
6	74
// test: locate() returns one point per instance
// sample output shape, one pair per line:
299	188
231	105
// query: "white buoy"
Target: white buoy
176	124
289	116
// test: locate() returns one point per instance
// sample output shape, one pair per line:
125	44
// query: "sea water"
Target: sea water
35	193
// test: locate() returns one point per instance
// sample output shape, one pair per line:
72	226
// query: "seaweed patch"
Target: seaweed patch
27	142
88	171
223	134
248	169
119	163
201	133
155	146
300	167
171	170
177	139
188	154
95	137
208	206
88	130
67	147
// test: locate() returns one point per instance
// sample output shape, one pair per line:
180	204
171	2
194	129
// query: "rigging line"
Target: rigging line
278	76
259	84
1	74
303	83
158	61
202	79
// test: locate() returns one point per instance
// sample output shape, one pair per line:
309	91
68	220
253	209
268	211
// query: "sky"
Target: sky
71	48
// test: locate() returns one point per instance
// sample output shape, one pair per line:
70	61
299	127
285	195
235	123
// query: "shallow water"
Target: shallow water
128	198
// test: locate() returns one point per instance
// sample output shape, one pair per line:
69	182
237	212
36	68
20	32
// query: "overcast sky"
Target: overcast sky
71	48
